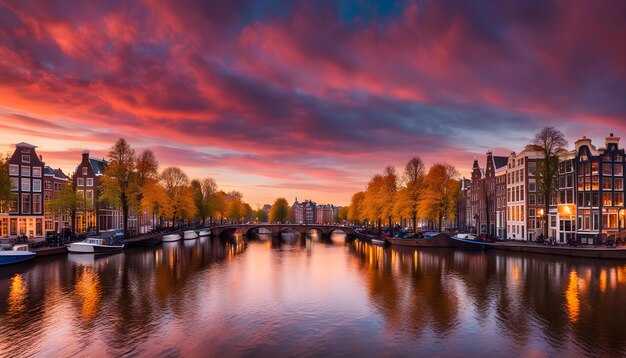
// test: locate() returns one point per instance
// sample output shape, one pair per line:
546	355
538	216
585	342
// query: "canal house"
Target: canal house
25	214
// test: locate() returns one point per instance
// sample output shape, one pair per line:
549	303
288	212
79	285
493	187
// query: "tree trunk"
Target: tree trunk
414	222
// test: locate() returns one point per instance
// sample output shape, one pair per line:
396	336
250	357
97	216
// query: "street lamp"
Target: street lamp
540	214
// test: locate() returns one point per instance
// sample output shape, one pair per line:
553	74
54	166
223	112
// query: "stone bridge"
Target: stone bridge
277	229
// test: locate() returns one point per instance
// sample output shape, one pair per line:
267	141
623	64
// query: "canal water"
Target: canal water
310	297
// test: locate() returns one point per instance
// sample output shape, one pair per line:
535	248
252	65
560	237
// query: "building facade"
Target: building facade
54	180
304	212
25	213
93	215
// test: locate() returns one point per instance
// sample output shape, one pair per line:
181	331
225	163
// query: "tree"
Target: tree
279	211
66	201
154	198
440	194
5	184
356	210
234	202
117	184
261	215
550	142
371	203
199	200
414	172
180	202
342	214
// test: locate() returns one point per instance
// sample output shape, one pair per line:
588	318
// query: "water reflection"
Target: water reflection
89	292
311	296
17	295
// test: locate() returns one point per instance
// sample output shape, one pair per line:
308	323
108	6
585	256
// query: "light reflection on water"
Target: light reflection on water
312	296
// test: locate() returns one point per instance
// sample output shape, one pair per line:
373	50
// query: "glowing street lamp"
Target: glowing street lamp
620	218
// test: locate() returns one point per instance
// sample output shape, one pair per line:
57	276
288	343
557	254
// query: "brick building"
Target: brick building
54	180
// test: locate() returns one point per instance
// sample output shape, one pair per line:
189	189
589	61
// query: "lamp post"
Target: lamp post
540	214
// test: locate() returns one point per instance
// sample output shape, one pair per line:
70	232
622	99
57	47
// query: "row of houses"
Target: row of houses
503	198
33	186
308	212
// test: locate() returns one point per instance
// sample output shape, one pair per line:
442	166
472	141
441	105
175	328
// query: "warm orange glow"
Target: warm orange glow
603	280
17	294
572	298
89	290
567	211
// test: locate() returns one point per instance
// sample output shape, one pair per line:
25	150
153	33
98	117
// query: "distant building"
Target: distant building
325	214
54	180
304	212
267	208
24	215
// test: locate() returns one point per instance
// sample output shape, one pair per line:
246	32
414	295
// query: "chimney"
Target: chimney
85	154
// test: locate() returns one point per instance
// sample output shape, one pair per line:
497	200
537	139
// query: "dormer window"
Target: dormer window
84	170
26	158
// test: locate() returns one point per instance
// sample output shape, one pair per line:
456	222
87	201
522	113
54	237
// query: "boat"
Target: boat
380	241
428	240
171	237
51	250
469	241
94	245
17	254
190	235
204	232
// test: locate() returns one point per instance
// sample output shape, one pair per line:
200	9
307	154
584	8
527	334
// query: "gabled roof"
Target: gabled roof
56	173
500	162
98	165
25	145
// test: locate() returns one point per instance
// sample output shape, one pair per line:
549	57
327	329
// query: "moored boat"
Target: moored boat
94	245
47	251
190	235
469	241
429	240
17	254
204	232
171	237
380	241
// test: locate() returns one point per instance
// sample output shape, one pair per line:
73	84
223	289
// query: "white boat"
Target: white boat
190	235
171	237
19	253
204	232
94	245
466	236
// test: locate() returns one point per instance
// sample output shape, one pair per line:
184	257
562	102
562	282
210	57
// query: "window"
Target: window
37	172
25	171
531	199
89	181
594	168
581	183
594	182
25	203
81	182
532	185
606	183
618	199
607	199
606	169
618	169
25	184
618	158
47	185
26	158
618	184
15	184
595	199
13	203
36	203
13	169
84	170
531	212
37	185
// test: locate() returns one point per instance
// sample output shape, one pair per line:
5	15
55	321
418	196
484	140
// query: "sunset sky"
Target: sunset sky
307	98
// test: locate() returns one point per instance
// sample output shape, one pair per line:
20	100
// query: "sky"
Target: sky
307	98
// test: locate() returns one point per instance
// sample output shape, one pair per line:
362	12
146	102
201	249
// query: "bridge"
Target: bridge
277	229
